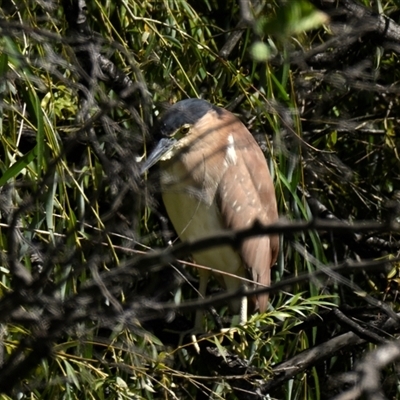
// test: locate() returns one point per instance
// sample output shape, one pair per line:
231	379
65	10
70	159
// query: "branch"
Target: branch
368	381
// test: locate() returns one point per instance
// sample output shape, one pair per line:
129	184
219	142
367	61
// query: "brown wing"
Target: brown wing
245	194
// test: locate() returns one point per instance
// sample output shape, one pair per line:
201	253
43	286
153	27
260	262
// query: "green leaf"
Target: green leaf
16	168
36	114
71	374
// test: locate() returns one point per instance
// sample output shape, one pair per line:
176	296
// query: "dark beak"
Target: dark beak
163	146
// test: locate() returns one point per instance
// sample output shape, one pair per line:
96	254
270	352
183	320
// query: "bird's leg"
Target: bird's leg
238	306
241	318
244	306
204	276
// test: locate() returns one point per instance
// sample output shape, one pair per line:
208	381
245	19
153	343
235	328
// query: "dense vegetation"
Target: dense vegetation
90	308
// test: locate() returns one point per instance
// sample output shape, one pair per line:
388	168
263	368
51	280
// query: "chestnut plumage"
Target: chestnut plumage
214	176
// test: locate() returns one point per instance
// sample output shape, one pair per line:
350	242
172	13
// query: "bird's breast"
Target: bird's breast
191	206
194	213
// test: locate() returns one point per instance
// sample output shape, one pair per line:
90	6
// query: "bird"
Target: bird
214	177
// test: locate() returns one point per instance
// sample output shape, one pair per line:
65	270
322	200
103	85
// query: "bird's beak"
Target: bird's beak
163	147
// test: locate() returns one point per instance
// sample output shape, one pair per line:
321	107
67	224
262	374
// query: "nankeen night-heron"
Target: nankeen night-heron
214	176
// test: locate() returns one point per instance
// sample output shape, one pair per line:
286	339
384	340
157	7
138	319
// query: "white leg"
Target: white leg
243	310
237	306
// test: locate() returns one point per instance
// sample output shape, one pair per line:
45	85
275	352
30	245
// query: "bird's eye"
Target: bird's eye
185	129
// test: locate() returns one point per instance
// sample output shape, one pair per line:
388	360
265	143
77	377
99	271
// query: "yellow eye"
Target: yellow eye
181	132
185	129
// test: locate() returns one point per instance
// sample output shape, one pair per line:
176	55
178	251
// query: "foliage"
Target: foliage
74	208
